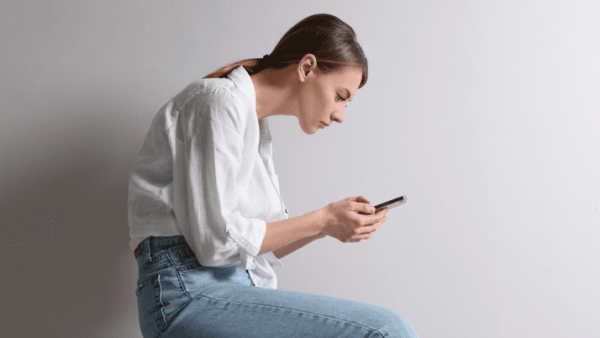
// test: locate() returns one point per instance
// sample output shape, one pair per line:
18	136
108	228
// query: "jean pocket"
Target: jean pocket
151	308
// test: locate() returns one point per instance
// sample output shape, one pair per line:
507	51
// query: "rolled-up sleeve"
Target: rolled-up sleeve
208	159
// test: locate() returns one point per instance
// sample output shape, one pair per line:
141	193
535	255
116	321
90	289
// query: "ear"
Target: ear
307	66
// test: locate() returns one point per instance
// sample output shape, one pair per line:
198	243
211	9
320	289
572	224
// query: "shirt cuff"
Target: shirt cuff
249	242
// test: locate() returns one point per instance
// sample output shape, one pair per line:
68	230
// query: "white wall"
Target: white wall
486	114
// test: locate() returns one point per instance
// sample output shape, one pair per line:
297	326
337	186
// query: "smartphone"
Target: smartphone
391	203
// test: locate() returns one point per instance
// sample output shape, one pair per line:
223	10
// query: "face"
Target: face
323	96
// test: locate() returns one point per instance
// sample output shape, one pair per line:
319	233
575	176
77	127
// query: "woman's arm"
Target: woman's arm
289	231
288	249
337	219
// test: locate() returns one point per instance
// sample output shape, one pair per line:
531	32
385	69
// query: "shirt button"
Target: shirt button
286	210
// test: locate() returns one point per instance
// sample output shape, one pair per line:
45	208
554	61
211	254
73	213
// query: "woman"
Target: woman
207	222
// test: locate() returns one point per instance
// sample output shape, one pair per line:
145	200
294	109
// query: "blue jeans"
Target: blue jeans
178	297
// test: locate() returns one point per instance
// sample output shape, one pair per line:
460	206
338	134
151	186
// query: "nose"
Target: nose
338	116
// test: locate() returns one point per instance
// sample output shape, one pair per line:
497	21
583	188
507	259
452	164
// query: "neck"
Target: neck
274	90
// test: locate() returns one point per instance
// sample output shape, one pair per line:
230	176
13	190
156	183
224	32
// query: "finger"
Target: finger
370	220
361	199
373	218
364	199
358	238
363	207
382	209
368	229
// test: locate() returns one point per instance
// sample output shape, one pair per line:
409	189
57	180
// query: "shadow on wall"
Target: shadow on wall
64	223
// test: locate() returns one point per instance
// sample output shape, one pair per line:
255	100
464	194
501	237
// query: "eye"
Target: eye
339	98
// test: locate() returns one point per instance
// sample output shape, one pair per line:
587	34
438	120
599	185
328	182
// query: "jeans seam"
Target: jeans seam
294	310
162	305
178	276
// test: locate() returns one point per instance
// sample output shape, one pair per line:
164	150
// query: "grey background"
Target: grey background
484	113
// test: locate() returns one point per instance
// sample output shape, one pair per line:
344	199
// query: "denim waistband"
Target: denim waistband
153	244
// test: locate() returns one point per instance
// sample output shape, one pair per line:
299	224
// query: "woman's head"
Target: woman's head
329	39
312	72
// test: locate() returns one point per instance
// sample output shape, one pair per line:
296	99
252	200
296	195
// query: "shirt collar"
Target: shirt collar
243	82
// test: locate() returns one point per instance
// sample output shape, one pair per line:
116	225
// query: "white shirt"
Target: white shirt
205	171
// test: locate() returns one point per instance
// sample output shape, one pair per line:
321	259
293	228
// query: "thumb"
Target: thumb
361	199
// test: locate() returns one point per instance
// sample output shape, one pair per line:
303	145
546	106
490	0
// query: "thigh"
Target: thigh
237	310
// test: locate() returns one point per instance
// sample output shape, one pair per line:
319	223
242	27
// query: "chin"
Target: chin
310	130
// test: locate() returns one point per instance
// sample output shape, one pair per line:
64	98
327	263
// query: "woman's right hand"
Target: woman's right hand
352	219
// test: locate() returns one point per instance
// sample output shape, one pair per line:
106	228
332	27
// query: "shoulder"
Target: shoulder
217	99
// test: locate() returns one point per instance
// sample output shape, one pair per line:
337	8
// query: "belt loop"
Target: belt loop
149	258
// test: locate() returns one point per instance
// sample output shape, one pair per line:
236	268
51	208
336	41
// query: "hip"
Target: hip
170	276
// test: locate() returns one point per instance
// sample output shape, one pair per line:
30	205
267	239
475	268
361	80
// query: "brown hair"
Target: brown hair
329	39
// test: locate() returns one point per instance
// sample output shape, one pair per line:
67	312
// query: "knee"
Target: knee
398	326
